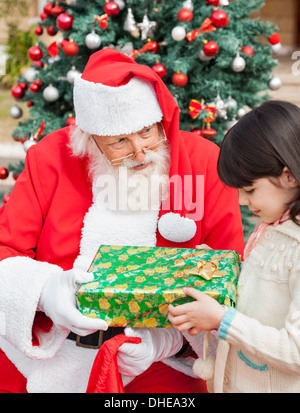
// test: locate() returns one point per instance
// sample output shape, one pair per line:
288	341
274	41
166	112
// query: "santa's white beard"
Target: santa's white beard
125	189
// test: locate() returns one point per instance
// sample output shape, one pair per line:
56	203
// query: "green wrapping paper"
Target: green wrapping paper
133	286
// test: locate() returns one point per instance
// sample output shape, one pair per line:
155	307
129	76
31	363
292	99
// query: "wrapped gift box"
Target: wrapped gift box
133	286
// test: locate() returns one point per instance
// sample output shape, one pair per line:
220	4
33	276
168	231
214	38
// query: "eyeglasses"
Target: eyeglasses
124	159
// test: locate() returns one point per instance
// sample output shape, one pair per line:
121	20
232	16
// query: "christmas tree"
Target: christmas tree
216	61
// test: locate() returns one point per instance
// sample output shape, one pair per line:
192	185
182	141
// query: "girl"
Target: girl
259	340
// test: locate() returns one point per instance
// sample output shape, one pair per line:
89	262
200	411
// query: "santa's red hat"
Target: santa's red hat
116	95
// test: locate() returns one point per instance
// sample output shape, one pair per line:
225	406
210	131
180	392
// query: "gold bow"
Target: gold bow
206	269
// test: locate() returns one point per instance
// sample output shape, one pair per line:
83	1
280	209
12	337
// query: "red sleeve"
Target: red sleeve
21	218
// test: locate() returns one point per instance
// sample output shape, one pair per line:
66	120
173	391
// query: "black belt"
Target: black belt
96	339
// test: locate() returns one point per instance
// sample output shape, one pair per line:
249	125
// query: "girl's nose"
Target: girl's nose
243	199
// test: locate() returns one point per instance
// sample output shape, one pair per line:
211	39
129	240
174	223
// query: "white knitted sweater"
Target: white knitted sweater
260	339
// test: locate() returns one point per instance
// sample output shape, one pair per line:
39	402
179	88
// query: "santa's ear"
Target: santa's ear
288	178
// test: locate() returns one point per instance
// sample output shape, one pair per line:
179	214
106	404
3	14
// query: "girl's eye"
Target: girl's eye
249	191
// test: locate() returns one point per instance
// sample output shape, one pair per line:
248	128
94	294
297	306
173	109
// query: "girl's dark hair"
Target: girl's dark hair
260	145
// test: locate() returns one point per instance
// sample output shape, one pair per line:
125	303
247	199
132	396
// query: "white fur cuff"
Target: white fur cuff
22	280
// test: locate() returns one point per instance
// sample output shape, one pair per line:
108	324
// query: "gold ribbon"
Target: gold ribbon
206	269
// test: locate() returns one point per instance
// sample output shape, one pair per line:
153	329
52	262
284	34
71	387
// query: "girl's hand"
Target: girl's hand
203	247
205	313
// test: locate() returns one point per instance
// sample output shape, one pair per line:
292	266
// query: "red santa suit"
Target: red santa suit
52	222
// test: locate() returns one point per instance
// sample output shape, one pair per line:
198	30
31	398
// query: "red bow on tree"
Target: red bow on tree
195	108
206	27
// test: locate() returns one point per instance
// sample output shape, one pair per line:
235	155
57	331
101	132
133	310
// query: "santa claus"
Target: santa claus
124	175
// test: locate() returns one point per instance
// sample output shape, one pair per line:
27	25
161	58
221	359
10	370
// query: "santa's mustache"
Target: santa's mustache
153	157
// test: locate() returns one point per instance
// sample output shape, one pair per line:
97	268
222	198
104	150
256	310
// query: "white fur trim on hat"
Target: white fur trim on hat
108	111
176	228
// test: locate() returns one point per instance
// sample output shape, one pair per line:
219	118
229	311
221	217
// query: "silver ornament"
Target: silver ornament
276	48
120	3
220	107
146	27
127	49
188	4
129	23
241	112
50	93
178	33
93	40
223	3
72	74
231	103
239	63
29	74
27	144
51	60
203	57
275	83
16	112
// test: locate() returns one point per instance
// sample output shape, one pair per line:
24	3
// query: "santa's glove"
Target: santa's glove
157	344
58	302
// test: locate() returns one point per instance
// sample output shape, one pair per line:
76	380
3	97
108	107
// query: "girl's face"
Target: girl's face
269	198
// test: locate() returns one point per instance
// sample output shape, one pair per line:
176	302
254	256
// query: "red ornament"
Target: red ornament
34	87
56	10
70	48
219	18
47	9
52	30
23	85
64	21
5	198
208	132
274	38
185	15
30	103
248	50
71	120
111	8
179	79
35	53
160	70
3	172
63	42
210	48
37	65
43	16
17	91
38	30
213	2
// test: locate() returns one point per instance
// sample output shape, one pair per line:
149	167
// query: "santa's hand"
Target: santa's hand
58	302
157	344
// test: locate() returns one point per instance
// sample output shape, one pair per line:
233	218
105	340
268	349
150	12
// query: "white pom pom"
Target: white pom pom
176	228
204	368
